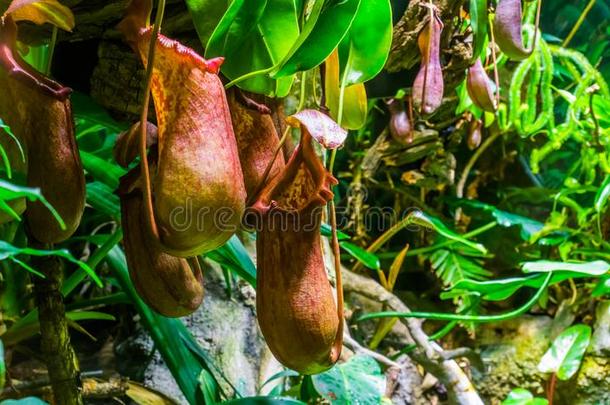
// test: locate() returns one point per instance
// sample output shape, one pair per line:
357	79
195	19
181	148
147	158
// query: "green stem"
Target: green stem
469	318
51	50
579	22
249	76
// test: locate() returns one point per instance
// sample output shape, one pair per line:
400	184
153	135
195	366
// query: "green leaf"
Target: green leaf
365	49
264	401
325	230
478	22
327	25
206	15
358	381
602	195
452	267
7	164
566	353
184	365
2	367
520	396
529	227
24	401
106	172
102	198
430	222
8	251
498	290
10	191
370	260
597	267
233	255
254	36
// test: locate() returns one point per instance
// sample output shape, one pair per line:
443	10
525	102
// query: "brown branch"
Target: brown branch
58	353
428	354
93	388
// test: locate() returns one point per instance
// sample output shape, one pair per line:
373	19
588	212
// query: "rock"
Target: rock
511	351
600	341
225	327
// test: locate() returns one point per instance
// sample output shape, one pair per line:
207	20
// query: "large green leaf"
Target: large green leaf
520	396
358	381
327	25
528	227
254	36
565	354
498	290
364	50
206	15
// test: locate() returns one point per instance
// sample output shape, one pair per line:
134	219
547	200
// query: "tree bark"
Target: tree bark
61	361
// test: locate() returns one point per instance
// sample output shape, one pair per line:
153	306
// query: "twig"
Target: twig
92	388
428	354
350	342
459	189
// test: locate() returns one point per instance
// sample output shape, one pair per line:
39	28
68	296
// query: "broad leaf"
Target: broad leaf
328	23
529	227
365	49
566	353
206	15
355	102
520	396
253	36
358	381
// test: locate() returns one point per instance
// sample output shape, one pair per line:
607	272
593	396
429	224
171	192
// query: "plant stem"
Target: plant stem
62	364
51	51
459	189
150	62
551	393
579	22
